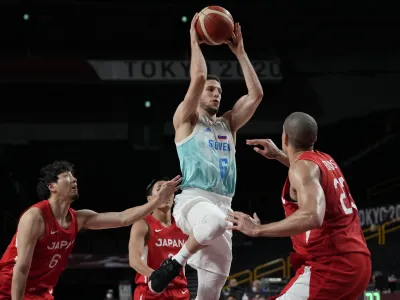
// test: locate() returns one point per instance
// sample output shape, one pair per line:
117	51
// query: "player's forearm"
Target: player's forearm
296	223
18	284
131	215
253	84
283	158
139	266
198	66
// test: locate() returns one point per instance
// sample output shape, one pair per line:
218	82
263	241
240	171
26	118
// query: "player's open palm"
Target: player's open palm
194	37
236	44
243	223
265	147
168	188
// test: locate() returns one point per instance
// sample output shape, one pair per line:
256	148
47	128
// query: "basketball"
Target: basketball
215	25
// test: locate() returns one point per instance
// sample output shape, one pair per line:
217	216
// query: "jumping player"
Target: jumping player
38	252
154	239
331	257
206	150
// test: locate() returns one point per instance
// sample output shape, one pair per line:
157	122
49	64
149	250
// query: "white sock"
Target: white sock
182	256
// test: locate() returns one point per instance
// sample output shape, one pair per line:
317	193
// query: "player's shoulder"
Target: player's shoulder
302	170
32	218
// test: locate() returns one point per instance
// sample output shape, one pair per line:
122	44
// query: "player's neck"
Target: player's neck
59	207
205	113
294	154
164	217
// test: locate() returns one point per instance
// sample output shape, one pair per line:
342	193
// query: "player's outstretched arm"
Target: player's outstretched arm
89	219
269	150
305	179
139	236
245	107
198	77
30	228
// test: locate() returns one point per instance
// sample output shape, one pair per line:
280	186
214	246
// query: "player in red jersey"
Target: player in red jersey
154	239
331	256
38	252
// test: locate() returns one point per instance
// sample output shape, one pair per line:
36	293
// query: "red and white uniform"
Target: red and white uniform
49	259
333	261
163	242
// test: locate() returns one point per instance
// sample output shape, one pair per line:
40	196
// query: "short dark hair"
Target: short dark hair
149	188
49	174
302	130
213	77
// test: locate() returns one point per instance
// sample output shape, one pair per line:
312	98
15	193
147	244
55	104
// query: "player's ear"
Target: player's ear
148	198
286	139
52	187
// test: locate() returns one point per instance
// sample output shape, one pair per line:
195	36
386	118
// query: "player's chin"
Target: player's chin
75	196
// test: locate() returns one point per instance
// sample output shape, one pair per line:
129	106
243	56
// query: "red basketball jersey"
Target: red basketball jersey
163	242
341	230
50	256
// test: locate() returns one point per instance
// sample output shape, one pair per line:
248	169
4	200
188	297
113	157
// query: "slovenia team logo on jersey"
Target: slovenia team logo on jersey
222	137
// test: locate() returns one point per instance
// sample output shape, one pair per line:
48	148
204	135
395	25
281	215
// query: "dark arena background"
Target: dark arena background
97	84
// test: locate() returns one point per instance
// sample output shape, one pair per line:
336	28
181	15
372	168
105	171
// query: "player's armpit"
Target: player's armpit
242	111
137	241
304	177
30	228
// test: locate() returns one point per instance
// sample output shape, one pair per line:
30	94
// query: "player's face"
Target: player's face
211	97
66	186
156	190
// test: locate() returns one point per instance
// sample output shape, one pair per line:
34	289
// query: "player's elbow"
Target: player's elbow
133	262
22	268
258	95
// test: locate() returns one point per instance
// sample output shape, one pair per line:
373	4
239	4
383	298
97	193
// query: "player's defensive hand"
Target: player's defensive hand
268	148
243	223
194	37
255	219
168	188
236	44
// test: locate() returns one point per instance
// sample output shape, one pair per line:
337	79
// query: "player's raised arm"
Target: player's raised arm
88	219
198	77
137	241
30	228
305	179
245	107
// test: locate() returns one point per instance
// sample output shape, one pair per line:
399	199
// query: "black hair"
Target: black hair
149	188
302	130
213	77
49	174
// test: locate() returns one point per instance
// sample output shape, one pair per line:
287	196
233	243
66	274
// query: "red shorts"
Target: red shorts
338	277
142	292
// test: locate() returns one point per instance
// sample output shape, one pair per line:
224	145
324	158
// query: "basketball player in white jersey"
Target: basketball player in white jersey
206	150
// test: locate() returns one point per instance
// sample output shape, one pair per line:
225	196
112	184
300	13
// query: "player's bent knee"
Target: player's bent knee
211	229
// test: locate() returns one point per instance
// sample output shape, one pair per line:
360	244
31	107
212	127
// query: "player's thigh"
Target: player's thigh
178	294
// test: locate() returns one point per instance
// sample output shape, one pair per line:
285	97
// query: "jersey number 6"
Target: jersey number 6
223	167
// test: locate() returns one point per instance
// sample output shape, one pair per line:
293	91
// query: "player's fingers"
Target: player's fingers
255	142
232	228
231	219
229	43
256	217
176	178
177	188
195	17
260	151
